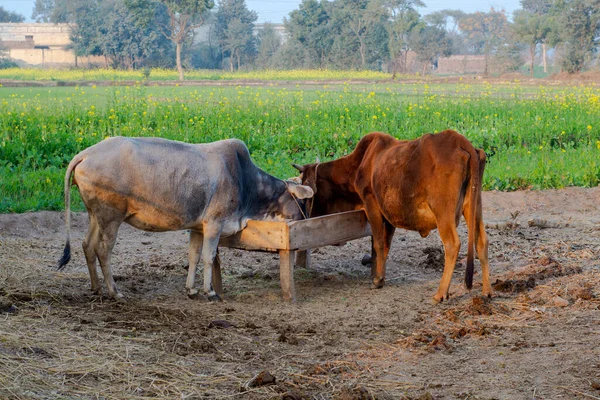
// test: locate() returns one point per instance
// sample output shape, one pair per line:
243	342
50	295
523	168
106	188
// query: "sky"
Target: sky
275	10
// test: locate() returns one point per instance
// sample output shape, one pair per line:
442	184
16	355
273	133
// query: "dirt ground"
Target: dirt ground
537	338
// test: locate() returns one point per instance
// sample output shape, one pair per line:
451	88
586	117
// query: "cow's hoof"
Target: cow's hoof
193	294
214	298
97	291
378	283
366	260
438	298
119	297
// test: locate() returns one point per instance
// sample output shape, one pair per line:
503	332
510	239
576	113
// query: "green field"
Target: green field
540	137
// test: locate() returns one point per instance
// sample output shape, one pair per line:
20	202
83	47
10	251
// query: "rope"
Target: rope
287	186
312	201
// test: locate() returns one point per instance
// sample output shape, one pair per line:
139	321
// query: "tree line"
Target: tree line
341	34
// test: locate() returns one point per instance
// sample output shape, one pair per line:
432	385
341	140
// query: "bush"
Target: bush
7	63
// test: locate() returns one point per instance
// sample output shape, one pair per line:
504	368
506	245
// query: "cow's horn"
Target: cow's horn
298	167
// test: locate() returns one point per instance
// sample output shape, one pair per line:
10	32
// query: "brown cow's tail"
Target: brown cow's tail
473	189
66	257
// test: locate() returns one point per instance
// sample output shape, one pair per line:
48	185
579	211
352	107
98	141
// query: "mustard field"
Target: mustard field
536	136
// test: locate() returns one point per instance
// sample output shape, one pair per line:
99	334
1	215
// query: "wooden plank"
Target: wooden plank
328	230
259	235
286	275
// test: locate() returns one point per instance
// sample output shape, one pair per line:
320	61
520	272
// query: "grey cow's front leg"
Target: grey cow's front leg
212	233
195	247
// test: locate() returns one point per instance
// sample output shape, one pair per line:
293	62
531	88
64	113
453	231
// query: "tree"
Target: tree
580	23
377	44
126	42
309	34
542	25
507	54
403	18
55	11
269	43
532	29
233	29
449	21
104	28
183	17
485	32
10	16
356	17
293	55
85	18
430	43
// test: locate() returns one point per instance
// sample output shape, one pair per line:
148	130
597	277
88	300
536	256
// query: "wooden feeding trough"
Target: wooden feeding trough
293	240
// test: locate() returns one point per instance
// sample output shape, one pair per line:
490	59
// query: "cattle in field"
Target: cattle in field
159	185
418	185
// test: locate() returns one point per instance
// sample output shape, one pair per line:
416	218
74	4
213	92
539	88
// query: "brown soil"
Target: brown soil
536	338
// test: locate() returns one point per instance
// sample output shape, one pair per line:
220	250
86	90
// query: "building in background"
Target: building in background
461	64
42	45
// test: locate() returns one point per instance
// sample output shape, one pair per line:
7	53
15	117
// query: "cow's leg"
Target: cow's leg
89	243
383	232
451	241
195	247
303	259
480	234
367	259
217	280
481	244
212	233
481	241
107	235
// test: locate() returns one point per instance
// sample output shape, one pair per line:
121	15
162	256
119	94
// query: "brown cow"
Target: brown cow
419	185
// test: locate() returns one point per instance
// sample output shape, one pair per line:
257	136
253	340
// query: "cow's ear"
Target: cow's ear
301	191
299	167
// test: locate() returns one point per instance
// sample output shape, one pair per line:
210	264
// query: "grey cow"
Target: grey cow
162	185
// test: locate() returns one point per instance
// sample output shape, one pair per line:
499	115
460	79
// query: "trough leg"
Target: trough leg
286	275
303	259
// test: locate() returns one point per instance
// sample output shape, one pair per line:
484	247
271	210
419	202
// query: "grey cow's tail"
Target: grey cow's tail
66	257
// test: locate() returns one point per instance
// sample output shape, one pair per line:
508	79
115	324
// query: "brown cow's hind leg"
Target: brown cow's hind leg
451	242
482	254
383	232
